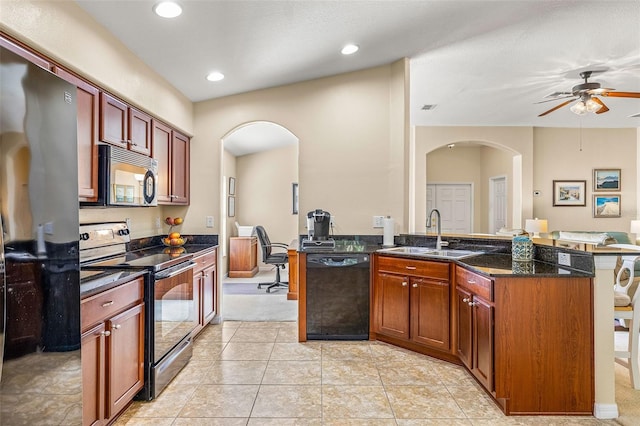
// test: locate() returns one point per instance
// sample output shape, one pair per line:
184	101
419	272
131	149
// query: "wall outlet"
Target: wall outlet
378	221
564	259
332	220
209	221
158	223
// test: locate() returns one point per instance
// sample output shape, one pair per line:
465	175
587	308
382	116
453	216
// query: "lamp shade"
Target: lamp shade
535	226
635	227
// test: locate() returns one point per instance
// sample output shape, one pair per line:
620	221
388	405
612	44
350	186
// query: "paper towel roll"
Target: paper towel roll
389	227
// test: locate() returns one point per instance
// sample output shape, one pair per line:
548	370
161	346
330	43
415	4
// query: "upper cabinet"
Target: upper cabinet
124	126
171	149
25	53
87	98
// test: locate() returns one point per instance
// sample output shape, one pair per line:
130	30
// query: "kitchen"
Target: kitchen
210	121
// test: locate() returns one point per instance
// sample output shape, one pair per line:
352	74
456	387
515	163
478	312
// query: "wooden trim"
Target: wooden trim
302	297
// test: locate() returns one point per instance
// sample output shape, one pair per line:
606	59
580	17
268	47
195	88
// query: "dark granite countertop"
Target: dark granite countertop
99	280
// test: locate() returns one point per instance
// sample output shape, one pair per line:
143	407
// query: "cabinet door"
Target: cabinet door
208	295
465	331
139	132
393	305
113	121
430	312
483	342
161	151
93	368
126	358
179	169
87	97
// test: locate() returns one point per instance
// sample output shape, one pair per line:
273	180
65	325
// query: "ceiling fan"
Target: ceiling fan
585	93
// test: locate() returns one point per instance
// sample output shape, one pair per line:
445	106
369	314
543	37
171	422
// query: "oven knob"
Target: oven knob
124	231
84	236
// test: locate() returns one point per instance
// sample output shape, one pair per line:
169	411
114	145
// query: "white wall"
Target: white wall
560	155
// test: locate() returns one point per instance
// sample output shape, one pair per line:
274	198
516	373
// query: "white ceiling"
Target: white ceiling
483	63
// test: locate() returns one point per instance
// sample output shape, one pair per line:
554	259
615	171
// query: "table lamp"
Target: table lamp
635	229
535	226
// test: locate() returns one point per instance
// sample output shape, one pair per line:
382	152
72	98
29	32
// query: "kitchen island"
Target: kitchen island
524	330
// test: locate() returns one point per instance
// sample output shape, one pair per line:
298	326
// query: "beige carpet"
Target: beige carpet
627	398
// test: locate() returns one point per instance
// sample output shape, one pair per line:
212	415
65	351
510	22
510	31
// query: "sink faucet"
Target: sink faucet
430	224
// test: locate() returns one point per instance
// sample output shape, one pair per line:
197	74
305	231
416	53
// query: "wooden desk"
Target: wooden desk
243	257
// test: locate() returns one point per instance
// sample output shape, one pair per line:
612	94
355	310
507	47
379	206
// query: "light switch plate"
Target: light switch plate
209	221
378	221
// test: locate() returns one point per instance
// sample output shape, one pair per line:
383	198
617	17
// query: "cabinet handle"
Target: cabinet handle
106	333
415	285
471	282
411	268
404	283
116	327
109	303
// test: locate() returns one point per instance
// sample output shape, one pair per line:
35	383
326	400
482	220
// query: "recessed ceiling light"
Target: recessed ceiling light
215	76
350	49
167	9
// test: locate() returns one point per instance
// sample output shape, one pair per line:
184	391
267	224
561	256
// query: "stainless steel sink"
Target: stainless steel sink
430	252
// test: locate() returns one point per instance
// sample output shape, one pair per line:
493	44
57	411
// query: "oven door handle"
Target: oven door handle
161	276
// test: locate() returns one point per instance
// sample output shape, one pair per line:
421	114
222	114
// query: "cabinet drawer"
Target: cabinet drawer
477	284
422	268
205	261
101	306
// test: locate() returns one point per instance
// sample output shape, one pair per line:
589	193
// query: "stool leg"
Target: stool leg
634	330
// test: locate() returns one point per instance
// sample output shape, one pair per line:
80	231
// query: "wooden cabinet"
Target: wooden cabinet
112	351
475	325
205	279
87	97
243	257
292	254
171	149
124	126
412	301
25	52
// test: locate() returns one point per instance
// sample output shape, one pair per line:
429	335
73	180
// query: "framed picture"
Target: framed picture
606	180
569	193
606	206
231	206
294	208
232	186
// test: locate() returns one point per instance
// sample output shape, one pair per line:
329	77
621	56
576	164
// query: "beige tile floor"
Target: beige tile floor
256	373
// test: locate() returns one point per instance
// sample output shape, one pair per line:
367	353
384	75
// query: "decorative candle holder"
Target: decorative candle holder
522	249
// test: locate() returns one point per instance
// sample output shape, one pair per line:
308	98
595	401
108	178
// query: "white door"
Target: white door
453	201
497	203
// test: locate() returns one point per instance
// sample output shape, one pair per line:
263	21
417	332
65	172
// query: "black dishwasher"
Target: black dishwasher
338	296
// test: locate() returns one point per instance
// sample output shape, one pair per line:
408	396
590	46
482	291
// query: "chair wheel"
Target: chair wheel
268	290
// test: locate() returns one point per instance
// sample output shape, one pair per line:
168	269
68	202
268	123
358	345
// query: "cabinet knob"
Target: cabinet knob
404	283
472	303
415	285
206	275
106	333
116	327
465	300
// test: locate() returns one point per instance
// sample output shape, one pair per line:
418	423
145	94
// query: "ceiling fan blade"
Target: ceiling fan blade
556	107
603	107
621	94
556	99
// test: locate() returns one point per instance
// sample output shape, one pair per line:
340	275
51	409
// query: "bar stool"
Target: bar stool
627	307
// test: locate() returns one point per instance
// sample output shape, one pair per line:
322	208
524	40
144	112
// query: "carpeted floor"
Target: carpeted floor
246	303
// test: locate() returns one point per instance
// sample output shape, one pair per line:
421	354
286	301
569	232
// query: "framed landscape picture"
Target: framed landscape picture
569	193
606	180
606	206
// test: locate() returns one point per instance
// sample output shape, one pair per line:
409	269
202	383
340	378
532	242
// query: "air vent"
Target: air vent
427	107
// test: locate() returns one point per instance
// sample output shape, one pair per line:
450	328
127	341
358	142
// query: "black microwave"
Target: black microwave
125	178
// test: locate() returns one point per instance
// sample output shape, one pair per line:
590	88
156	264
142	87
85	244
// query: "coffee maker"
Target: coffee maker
318	223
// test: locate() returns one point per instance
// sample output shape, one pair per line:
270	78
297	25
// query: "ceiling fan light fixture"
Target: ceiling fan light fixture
167	9
592	106
579	108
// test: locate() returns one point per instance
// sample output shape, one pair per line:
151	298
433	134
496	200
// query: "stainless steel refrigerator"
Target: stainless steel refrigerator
40	368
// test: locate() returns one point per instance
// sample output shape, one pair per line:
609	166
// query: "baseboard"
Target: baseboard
605	411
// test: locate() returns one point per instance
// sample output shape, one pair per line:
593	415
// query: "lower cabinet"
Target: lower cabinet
412	300
205	284
112	351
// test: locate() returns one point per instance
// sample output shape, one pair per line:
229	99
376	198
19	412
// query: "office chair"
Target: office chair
270	258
